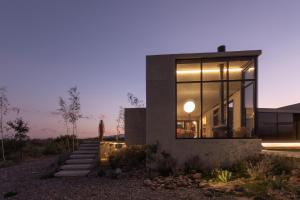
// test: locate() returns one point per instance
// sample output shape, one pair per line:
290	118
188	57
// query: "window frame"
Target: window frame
226	85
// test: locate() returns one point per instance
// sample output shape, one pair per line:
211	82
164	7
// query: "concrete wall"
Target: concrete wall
135	126
161	118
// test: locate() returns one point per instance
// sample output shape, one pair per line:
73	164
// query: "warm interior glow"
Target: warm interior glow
210	71
204	120
189	106
281	144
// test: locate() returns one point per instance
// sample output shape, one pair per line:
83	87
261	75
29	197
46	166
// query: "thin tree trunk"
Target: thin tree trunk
67	138
76	133
73	138
1	129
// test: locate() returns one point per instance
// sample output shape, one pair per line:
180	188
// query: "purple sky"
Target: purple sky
48	46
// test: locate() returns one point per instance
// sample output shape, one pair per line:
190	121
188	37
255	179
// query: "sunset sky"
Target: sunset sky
46	47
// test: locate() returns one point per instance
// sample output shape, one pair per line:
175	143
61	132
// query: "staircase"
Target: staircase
81	161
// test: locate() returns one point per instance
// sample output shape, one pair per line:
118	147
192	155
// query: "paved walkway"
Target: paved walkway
289	154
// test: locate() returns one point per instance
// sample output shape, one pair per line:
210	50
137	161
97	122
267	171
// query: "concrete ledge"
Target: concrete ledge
213	152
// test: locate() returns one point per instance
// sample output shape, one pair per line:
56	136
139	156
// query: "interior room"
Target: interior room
215	99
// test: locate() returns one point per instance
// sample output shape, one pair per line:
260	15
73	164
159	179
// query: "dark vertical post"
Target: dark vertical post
201	98
229	133
255	97
221	95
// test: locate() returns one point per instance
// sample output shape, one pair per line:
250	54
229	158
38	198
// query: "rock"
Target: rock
293	179
197	176
203	184
208	193
147	182
118	171
170	186
295	172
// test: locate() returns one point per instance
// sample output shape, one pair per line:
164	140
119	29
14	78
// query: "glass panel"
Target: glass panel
249	71
214	71
214	110
239	70
188	72
188	110
234	110
248	124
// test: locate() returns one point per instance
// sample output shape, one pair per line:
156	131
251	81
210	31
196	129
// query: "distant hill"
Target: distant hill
114	137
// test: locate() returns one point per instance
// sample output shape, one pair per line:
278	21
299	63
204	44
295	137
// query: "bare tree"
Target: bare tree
3	111
135	101
120	122
64	111
74	110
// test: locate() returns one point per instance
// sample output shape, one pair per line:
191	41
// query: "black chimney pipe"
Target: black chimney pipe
221	48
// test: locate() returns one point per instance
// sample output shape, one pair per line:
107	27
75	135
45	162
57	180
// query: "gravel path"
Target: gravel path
24	179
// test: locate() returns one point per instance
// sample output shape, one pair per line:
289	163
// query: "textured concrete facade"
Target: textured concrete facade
161	119
135	126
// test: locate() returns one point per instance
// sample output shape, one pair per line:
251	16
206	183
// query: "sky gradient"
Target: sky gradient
46	47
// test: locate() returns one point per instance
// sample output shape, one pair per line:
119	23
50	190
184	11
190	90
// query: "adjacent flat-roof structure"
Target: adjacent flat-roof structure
279	123
203	104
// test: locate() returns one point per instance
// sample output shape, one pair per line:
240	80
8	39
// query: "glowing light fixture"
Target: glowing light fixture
189	106
210	71
281	144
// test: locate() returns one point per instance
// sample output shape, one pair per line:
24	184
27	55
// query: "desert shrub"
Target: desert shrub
33	150
54	147
222	175
193	164
9	194
54	167
258	188
283	165
128	158
6	163
239	169
259	169
278	182
166	164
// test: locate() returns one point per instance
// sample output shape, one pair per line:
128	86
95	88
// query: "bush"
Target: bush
193	164
221	175
259	169
54	147
54	167
129	158
283	165
166	164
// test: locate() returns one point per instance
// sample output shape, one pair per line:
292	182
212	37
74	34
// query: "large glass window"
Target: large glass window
188	110
215	99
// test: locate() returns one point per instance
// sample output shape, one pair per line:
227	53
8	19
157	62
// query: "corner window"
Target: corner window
215	99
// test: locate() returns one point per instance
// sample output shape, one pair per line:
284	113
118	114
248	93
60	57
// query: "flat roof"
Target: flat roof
278	110
213	54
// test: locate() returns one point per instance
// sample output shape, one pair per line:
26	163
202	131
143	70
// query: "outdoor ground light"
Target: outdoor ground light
189	106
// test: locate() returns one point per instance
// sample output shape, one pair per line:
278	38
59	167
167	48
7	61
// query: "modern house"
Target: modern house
199	104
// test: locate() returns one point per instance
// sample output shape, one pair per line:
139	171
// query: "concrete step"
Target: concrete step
85	152
90	142
76	167
89	145
80	156
64	173
88	148
80	161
